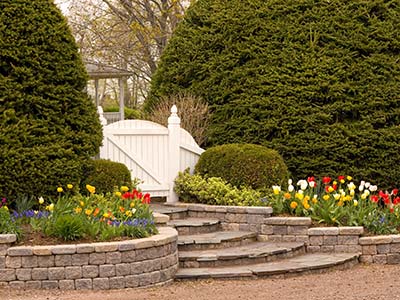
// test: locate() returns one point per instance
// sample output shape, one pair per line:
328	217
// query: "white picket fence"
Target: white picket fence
153	153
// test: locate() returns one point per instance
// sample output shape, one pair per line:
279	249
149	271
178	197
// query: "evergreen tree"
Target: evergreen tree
49	127
316	80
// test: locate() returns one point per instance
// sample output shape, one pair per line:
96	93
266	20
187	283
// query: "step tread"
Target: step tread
296	264
193	222
252	250
215	237
164	209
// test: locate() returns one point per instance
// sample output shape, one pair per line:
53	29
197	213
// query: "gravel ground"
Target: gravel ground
369	282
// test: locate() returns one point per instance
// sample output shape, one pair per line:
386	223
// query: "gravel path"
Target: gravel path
369	282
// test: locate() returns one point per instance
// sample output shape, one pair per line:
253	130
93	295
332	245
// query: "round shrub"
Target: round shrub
49	127
106	175
316	80
243	165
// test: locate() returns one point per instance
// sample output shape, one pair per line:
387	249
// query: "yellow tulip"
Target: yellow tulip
349	178
276	189
60	189
41	200
330	189
355	202
91	188
78	210
81	203
88	211
118	194
70	186
306	205
326	197
124	188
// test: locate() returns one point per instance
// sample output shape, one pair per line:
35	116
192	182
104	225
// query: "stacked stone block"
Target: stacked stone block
383	249
237	218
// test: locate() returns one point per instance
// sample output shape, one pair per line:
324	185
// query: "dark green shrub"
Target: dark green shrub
243	164
49	127
214	191
316	80
106	175
129	113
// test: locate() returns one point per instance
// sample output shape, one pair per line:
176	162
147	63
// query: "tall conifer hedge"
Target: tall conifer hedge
48	126
317	80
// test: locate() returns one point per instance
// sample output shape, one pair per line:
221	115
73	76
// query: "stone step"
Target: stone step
173	212
307	263
191	226
215	240
253	253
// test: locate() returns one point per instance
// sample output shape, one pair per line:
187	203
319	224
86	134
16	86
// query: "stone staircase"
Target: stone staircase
207	251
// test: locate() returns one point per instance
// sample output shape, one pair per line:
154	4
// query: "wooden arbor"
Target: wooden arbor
98	71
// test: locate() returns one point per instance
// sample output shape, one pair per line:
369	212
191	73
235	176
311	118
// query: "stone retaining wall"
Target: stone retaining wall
384	249
100	266
244	218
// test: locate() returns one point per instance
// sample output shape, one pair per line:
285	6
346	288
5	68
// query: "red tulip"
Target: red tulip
326	180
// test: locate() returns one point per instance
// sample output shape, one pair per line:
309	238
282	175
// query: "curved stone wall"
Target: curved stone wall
100	266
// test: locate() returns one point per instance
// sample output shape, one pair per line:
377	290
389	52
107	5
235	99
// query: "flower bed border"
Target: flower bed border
381	249
99	266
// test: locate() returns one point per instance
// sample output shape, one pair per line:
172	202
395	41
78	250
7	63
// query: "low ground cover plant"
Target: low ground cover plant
214	191
340	202
74	215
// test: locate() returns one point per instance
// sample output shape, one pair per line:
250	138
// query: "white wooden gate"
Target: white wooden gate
153	153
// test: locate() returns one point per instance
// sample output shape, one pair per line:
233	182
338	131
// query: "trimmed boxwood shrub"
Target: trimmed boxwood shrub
106	175
49	127
316	80
249	165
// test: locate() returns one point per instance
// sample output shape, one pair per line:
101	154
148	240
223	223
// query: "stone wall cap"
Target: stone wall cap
376	240
259	210
300	221
63	249
20	251
7	238
160	218
351	230
323	231
275	221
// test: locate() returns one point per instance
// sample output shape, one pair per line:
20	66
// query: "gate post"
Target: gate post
174	152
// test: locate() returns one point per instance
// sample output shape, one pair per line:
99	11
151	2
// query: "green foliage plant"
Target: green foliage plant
249	165
317	80
105	175
67	227
49	128
214	191
7	224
